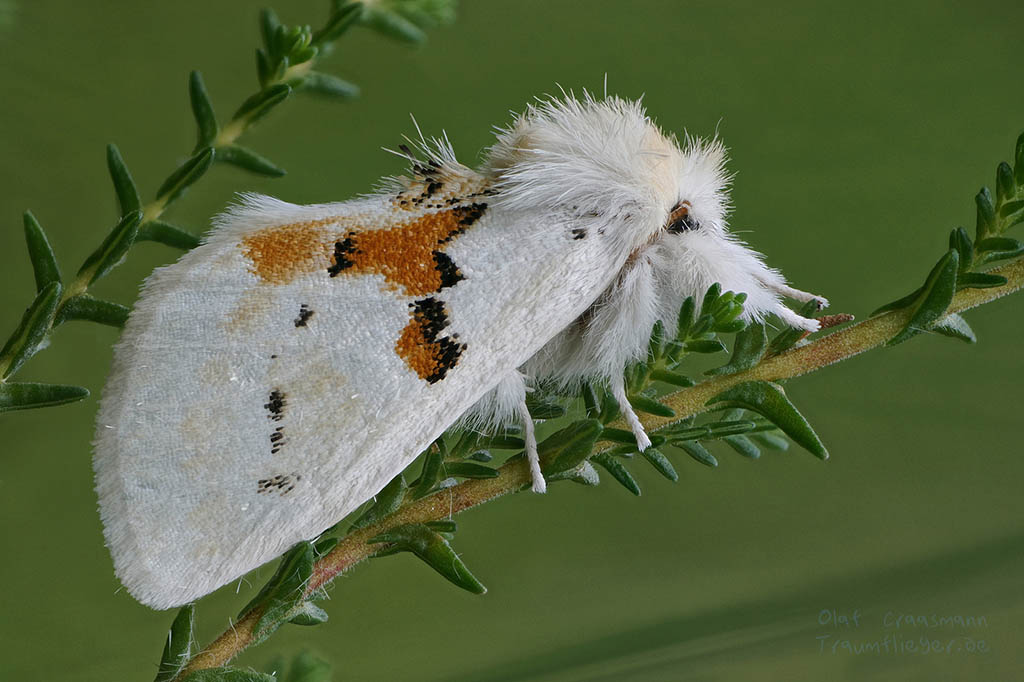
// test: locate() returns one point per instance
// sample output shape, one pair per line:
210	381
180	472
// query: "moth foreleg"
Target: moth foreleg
783	289
539	484
618	386
794	320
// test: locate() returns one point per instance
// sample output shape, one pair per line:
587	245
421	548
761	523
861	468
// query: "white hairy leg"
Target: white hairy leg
797	295
539	484
618	385
794	320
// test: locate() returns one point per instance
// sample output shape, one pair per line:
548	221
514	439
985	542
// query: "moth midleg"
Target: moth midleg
618	386
539	484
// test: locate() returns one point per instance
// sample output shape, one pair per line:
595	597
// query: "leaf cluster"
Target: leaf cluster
962	265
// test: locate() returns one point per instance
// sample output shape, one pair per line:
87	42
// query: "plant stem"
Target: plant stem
514	476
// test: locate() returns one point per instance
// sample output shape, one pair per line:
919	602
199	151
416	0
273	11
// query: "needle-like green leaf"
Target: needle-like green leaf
85	307
979	280
393	25
586	475
430	475
31	333
229	675
770	401
685	322
935	298
713	293
750	347
618	436
986	214
772	440
704	346
899	303
999	248
260	104
961	241
1005	185
341	20
650	406
309	613
185	175
432	548
124	186
165	233
178	646
660	463
724	428
743	445
617	470
564	450
698	452
469	470
283	595
673	378
956	327
319	83
44	263
24	396
270	27
202	110
249	160
1018	161
112	251
389	499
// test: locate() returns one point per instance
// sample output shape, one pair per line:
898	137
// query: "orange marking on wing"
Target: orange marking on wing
417	351
404	254
421	345
282	253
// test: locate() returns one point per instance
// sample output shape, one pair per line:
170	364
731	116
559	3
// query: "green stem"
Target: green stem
514	476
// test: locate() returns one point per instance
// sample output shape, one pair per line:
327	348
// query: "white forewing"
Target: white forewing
246	413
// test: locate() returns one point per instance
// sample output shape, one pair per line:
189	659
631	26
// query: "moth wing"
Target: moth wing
282	373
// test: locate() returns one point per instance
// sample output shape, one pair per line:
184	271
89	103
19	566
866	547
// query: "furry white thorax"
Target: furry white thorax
608	166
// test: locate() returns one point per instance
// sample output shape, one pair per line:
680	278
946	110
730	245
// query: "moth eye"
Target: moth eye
680	219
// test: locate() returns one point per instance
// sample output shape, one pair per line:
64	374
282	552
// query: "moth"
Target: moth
284	371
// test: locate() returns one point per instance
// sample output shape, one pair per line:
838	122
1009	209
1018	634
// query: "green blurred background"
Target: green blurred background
859	134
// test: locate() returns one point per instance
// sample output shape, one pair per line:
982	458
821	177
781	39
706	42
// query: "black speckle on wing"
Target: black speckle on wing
450	274
275	405
305	312
279	483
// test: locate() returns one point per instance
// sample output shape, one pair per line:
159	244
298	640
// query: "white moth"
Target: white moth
284	371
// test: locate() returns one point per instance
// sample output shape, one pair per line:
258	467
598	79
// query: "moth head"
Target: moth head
694	249
604	162
699	205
